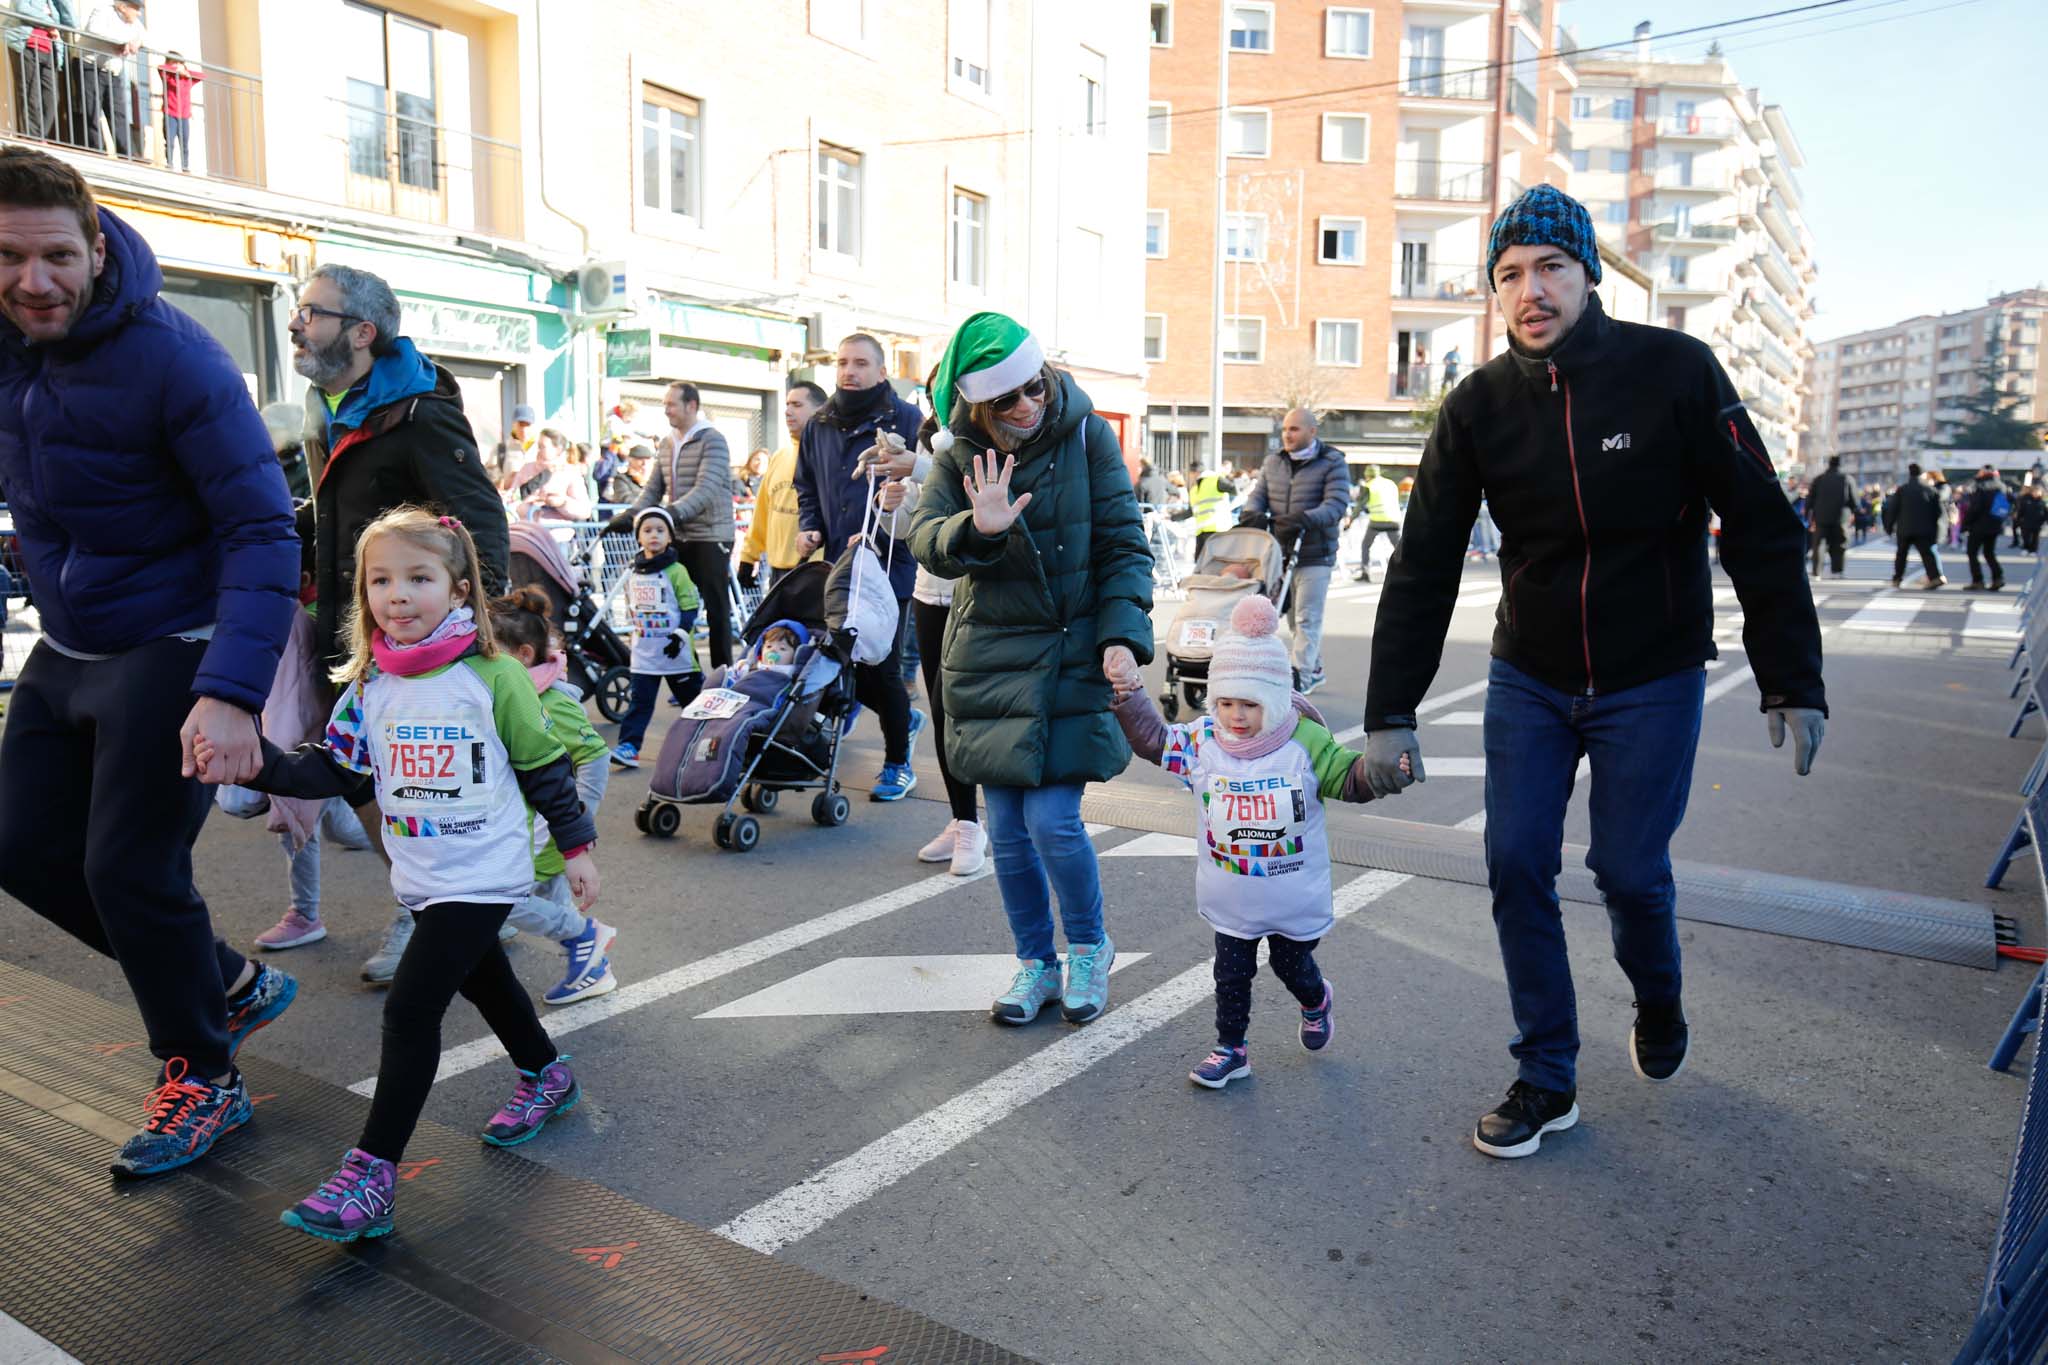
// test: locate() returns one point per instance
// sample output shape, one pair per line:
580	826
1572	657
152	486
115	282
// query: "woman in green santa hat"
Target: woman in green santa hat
1028	504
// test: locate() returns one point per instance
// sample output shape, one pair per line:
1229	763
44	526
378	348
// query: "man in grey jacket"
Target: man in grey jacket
692	476
1303	492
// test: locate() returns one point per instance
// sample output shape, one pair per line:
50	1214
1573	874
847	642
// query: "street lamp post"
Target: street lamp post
1214	458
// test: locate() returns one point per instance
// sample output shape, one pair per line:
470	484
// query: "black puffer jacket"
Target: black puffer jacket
1913	511
1308	496
1600	466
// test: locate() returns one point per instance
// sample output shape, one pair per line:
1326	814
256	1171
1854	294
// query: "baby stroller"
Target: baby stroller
753	738
1234	564
598	657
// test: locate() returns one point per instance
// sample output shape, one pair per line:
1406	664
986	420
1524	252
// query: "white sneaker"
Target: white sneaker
383	964
940	849
970	849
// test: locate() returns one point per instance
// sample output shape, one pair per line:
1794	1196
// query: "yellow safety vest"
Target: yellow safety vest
1382	501
1206	502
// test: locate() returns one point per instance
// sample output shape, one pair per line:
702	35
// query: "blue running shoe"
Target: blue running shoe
846	722
1088	967
1036	985
626	756
1317	1027
918	720
265	998
185	1118
896	782
1222	1066
356	1201
539	1096
589	972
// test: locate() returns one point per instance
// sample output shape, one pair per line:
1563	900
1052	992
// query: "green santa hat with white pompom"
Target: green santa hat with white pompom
990	355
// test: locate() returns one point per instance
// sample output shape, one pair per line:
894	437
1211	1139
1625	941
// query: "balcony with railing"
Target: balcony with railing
1778	357
1561	138
1706	126
1677	229
414	168
1464	182
91	95
1448	78
1418	380
1430	284
1568	54
1684	179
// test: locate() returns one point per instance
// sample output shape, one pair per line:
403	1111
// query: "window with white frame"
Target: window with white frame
1347	32
1582	159
671	152
1155	233
1345	136
1250	133
1337	341
1582	107
1162	23
1244	341
1676	267
969	35
1341	241
843	21
969	246
1158	127
1251	28
838	209
1244	236
1617	212
1155	337
1623	108
1617	160
1094	109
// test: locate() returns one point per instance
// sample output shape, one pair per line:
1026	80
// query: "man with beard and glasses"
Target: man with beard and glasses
384	427
156	531
833	451
1603	447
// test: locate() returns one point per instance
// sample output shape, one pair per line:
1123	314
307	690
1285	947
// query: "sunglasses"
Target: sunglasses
1035	390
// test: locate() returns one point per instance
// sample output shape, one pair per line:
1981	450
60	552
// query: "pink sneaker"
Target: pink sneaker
293	931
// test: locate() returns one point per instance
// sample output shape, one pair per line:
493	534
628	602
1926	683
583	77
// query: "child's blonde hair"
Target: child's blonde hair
443	536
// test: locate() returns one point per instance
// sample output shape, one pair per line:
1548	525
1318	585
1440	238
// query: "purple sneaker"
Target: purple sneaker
539	1097
354	1202
1316	1024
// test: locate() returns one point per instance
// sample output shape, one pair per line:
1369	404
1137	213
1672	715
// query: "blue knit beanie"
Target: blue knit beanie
1546	216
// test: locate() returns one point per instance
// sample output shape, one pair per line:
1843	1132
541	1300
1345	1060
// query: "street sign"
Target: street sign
629	354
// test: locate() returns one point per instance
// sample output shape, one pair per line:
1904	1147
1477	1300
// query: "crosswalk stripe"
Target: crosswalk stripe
1888	613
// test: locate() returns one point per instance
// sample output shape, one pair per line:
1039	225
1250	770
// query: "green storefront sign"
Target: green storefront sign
629	354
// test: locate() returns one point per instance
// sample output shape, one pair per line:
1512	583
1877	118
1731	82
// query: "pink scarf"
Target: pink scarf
1268	741
548	671
445	644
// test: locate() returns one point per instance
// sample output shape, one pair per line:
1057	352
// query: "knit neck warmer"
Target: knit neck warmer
444	644
851	407
548	671
645	563
1267	741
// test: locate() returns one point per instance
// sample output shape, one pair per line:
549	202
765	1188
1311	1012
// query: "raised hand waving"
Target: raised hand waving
988	493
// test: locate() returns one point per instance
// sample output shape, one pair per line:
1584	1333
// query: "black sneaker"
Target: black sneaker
1657	1041
1517	1127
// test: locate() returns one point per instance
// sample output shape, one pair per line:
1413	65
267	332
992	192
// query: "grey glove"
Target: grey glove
1384	750
1808	725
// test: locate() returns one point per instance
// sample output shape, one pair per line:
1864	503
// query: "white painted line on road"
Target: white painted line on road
19	1345
482	1051
805	1207
1453	766
1437	703
1461	718
1993	620
950	983
1721	687
1888	613
1153	846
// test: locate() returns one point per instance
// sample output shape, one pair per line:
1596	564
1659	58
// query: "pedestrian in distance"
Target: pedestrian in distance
446	732
179	76
1830	505
2028	517
520	620
771	535
1986	506
37	52
1029	502
1601	429
1913	515
553	486
692	479
153	525
1302	492
664	603
1260	770
834	455
1379	500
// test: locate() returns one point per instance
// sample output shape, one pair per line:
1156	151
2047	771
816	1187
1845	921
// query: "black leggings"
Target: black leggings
879	687
709	565
454	947
931	639
1237	962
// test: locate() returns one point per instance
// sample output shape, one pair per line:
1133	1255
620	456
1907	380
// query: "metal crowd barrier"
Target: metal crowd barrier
19	628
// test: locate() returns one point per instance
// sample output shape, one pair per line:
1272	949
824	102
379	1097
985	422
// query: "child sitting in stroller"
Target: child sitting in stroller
775	652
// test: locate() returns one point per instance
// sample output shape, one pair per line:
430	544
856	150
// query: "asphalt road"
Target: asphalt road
799	1059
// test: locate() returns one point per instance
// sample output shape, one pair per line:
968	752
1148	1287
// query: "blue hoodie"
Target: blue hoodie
145	492
400	373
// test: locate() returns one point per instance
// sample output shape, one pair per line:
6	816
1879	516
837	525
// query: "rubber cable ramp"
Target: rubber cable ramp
495	1257
1798	907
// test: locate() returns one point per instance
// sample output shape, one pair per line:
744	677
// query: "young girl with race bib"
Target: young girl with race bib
449	733
1260	770
664	604
523	629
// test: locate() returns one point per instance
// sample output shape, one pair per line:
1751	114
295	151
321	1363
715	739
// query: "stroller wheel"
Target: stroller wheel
744	834
721	831
759	798
615	693
664	820
1169	704
829	809
640	816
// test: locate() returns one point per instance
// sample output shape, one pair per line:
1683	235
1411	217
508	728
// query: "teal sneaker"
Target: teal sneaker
1087	994
1037	984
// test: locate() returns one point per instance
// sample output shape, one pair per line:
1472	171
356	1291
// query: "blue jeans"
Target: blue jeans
1036	832
1641	743
646	689
335	818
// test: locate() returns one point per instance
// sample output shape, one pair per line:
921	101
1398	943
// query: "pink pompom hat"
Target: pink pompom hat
1250	663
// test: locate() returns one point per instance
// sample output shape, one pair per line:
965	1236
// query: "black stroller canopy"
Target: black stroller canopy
798	595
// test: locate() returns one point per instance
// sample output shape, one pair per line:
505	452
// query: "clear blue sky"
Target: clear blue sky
1925	184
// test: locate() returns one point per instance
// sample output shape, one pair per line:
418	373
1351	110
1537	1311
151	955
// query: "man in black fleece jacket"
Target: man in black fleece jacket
1601	447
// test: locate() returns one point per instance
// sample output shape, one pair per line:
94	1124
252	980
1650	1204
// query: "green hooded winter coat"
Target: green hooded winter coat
1026	702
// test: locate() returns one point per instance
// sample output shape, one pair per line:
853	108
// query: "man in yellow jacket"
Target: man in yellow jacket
774	528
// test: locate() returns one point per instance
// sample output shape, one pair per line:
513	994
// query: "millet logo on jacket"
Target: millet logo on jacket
1619	442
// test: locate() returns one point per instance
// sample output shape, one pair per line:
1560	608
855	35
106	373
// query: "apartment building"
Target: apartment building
1369	147
1882	397
1694	177
577	206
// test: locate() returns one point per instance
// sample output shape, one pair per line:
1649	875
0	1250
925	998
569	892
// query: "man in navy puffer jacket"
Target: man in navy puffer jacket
157	534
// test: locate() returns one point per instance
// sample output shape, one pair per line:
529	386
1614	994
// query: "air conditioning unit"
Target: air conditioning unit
606	289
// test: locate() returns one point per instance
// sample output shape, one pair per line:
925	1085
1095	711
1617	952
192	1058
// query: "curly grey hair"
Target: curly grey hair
366	296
